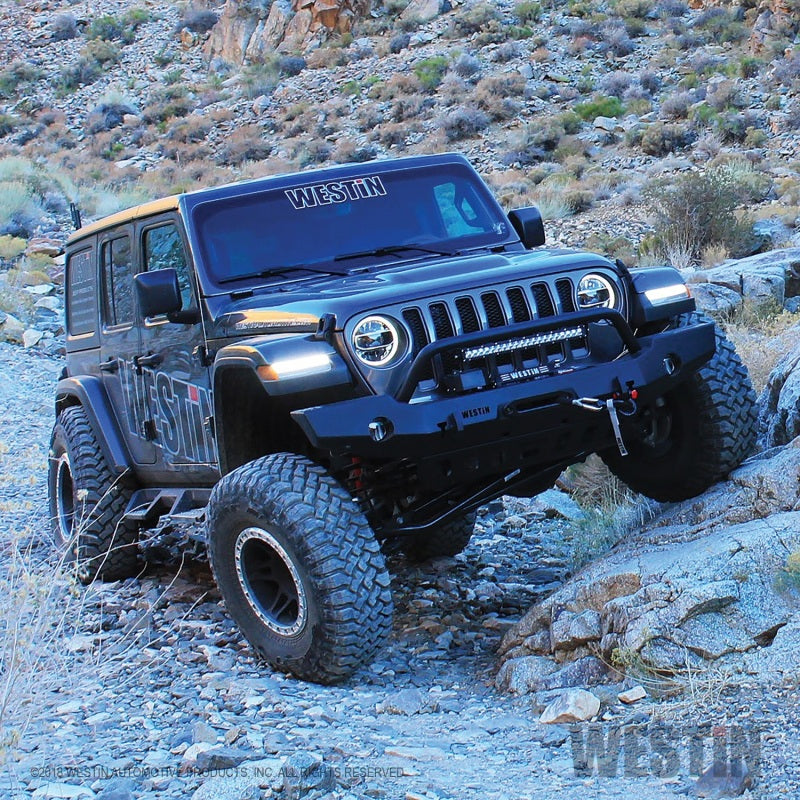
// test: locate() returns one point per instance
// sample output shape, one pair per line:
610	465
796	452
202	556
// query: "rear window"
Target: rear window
81	293
312	223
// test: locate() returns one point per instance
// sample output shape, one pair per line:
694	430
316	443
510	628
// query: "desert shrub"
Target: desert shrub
430	71
461	123
8	123
723	95
506	52
260	79
243	144
466	66
410	107
527	12
600	107
474	18
638	9
15	76
660	139
11	247
198	20
676	106
749	67
650	81
616	38
614	84
694	210
350	88
190	130
721	25
495	94
109	27
63	27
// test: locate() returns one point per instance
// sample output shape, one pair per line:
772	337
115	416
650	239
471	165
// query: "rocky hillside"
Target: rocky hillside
649	131
620	119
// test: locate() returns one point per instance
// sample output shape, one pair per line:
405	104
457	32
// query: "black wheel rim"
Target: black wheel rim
270	582
65	498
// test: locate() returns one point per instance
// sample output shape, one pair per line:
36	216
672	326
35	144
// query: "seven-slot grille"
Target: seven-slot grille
444	318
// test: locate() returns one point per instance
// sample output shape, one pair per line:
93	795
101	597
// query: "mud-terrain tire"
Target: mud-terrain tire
708	428
86	502
448	539
299	568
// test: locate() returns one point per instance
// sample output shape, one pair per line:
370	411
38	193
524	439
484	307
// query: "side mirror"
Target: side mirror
528	224
158	292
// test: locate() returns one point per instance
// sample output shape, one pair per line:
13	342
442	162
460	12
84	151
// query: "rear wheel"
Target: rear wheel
87	502
299	567
448	539
697	433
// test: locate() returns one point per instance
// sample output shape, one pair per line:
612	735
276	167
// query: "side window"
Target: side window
163	248
81	296
459	215
117	282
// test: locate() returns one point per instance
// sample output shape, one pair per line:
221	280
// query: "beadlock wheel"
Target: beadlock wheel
298	567
270	581
87	502
64	500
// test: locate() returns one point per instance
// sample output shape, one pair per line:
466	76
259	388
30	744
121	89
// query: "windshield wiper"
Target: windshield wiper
271	271
392	249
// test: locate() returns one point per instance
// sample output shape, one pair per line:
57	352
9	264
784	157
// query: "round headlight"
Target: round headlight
595	291
376	341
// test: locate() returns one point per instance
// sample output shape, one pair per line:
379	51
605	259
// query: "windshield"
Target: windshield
350	223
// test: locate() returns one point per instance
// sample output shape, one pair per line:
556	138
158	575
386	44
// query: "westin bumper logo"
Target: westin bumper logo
324	194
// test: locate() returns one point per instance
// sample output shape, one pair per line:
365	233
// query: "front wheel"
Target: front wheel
299	568
697	433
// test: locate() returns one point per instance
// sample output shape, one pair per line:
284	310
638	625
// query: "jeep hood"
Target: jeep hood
297	306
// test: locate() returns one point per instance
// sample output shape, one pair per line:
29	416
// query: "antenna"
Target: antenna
75	213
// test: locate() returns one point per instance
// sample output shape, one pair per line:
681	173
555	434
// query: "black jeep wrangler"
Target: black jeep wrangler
315	363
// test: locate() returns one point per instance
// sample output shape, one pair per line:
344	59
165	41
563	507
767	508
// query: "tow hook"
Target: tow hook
611	406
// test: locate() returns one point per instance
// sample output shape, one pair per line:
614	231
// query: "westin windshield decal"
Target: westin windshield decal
324	194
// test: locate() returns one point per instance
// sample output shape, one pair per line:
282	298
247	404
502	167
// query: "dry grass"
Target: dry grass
56	640
762	338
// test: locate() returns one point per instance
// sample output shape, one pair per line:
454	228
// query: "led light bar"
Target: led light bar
667	294
526	341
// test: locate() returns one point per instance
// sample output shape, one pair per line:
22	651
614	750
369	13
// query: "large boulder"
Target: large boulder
702	583
251	30
779	402
765	279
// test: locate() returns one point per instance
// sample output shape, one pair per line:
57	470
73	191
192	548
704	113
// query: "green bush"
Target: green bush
661	139
108	27
7	123
15	76
695	210
600	106
430	71
527	12
11	247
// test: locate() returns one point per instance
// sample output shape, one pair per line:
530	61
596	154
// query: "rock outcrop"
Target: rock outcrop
765	279
250	30
779	403
706	581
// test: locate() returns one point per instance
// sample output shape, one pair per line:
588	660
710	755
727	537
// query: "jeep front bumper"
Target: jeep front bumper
535	418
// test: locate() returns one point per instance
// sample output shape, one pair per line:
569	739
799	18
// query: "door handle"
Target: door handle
112	365
153	360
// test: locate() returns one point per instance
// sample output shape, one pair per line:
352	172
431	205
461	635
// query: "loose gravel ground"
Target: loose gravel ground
139	677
